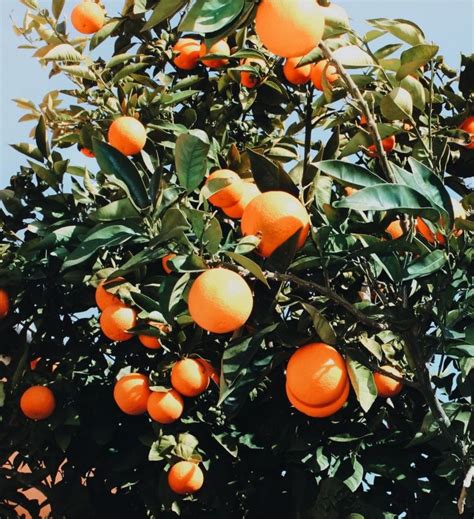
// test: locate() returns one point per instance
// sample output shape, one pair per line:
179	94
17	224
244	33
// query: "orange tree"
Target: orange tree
231	313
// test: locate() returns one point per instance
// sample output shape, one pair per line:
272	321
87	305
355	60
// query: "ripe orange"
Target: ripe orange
387	386
468	126
189	377
294	74
165	406
318	71
186	52
4	303
395	229
387	143
103	298
210	370
87	152
428	234
289	28
220	301
153	343
221	48
350	190
249	79
128	135
131	393
87	17
38	402
275	216
185	477
164	262
237	210
230	194
363	120
116	320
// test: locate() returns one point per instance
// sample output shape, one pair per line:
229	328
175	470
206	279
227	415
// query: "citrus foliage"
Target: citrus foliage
151	223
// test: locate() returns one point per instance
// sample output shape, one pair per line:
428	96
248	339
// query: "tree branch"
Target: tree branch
330	294
371	124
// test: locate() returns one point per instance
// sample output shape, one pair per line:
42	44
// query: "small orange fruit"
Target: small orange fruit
116	320
468	126
103	298
4	303
87	152
385	385
427	233
289	28
221	47
189	377
250	79
230	194
220	301
151	342
237	210
88	17
165	406
38	402
294	74
275	216
131	393
186	52
164	262
350	190
395	229
185	477
210	370
363	120
388	144
318	71
128	135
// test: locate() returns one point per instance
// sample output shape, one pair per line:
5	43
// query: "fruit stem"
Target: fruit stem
371	124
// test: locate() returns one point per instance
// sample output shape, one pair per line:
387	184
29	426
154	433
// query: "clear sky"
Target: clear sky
449	23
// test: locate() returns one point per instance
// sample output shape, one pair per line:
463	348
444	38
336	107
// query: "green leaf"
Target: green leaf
352	56
426	265
208	16
363	139
57	7
321	325
28	150
122	171
104	33
387	50
127	71
404	30
414	58
117	210
162	447
62	52
349	174
164	10
390	197
270	176
191	160
250	265
100	238
41	137
362	380
397	105
282	257
416	89
81	71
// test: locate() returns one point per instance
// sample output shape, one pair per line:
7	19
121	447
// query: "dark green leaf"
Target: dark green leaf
164	10
208	16
426	265
270	176
362	380
191	160
42	138
349	174
250	265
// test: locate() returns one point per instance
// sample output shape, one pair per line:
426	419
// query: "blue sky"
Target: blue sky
449	23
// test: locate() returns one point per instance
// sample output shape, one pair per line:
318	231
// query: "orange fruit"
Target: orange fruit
387	143
289	28
237	210
385	385
153	343
221	47
87	152
275	216
103	298
249	79
363	120
4	303
116	320
186	52
38	402
395	229
230	194
294	74
220	301
468	126
318	71
316	374
131	393
185	477
189	377
128	135
165	406
350	190
88	17
164	262
427	233
210	370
